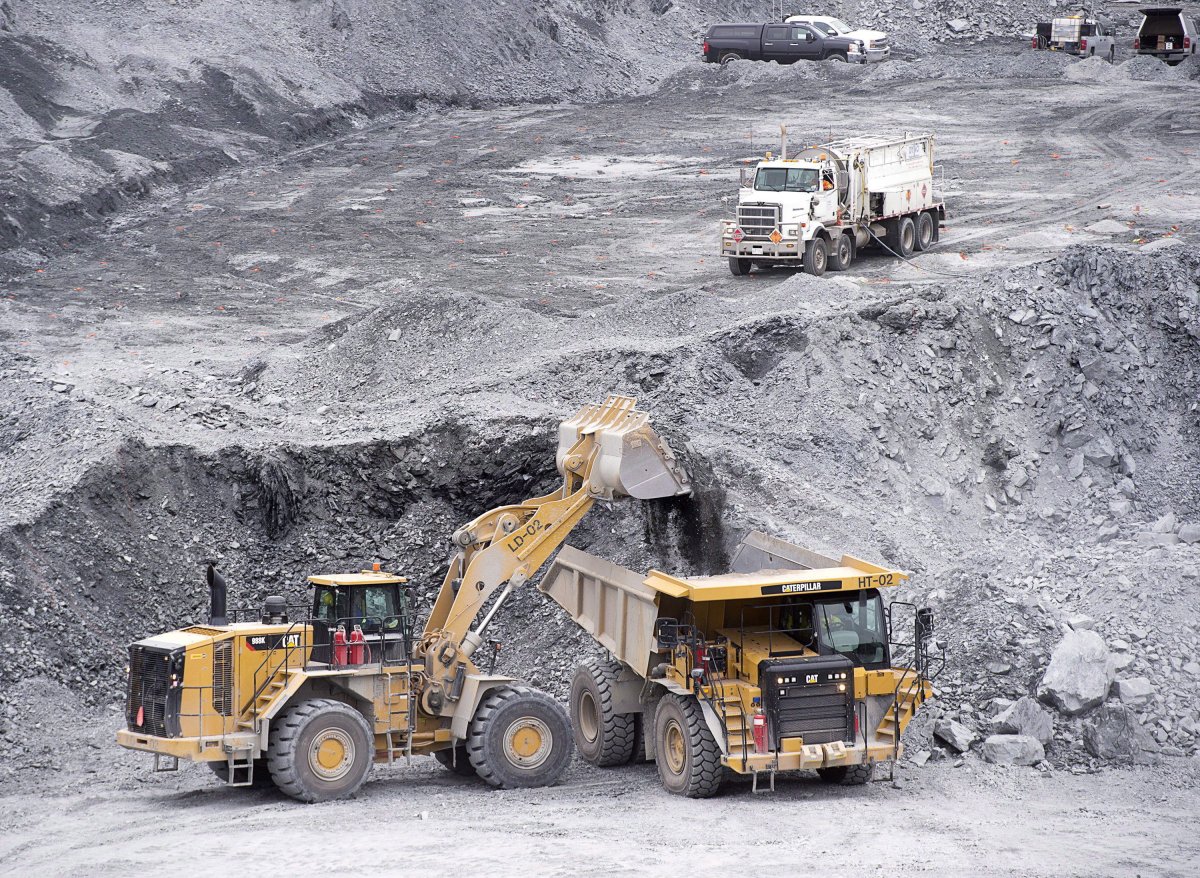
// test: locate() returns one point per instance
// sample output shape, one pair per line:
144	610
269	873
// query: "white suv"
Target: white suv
875	42
1168	34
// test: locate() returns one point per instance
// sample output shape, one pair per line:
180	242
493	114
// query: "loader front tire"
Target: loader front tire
689	760
603	737
319	750
520	737
848	775
456	760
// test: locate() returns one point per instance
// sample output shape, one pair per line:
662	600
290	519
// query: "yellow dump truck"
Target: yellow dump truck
792	661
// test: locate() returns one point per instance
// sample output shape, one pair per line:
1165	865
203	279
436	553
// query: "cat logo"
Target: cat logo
811	678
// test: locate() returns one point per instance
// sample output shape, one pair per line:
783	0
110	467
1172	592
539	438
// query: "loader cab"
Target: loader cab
377	602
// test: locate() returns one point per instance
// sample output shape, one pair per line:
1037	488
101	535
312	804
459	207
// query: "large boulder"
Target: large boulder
1134	691
1012	750
1114	732
1025	717
1079	674
954	734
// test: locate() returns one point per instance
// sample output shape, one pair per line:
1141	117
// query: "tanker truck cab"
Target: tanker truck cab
819	208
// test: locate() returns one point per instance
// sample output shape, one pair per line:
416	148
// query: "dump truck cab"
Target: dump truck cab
791	661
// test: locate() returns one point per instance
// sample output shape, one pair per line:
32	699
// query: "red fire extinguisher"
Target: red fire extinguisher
339	646
760	728
356	645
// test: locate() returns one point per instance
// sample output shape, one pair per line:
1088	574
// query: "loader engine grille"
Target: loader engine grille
809	698
757	221
222	684
152	706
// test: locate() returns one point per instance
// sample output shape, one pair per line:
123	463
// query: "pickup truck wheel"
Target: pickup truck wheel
816	257
924	231
739	267
836	56
730	56
603	737
904	239
842	255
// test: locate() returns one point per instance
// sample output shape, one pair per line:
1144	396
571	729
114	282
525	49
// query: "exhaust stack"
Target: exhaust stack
217	594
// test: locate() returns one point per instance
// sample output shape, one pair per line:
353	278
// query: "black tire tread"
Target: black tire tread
618	731
285	731
496	699
456	761
706	775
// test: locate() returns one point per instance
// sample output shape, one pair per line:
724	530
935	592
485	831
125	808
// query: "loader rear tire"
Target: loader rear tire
262	774
603	737
848	775
689	760
739	267
320	750
816	257
520	737
925	228
456	761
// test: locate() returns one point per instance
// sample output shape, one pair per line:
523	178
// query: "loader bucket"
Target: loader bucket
627	457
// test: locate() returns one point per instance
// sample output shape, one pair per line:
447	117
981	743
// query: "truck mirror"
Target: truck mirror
810	37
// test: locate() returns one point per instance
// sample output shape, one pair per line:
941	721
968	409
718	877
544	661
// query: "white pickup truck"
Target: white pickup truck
821	207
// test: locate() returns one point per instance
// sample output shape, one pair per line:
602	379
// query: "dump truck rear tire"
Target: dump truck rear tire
262	774
456	760
739	267
904	239
603	737
848	775
925	224
520	737
689	760
320	750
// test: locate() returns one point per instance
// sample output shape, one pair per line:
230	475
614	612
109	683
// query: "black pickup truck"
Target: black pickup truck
784	43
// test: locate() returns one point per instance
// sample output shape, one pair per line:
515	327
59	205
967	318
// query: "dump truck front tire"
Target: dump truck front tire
320	750
520	737
848	775
456	760
603	737
689	760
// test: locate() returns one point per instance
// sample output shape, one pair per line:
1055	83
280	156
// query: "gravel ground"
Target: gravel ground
332	353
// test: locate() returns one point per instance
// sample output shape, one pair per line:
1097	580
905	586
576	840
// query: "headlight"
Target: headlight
789	231
856	47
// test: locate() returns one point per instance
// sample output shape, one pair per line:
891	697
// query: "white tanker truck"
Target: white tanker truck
820	207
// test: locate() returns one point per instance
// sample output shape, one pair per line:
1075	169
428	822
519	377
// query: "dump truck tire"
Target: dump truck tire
520	737
842	254
739	267
848	775
456	760
816	257
639	740
320	750
925	227
262	774
603	737
904	238
689	760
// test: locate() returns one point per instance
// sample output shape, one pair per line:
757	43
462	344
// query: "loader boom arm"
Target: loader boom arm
605	452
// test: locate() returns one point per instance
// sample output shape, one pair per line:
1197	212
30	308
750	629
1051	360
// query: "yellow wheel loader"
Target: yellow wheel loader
310	704
790	662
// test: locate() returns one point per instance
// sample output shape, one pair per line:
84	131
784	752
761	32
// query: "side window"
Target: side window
326	604
800	33
776	33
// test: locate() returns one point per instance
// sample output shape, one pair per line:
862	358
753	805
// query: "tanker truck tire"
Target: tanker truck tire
925	228
320	750
520	737
739	267
688	758
816	257
456	761
848	775
603	737
904	237
842	255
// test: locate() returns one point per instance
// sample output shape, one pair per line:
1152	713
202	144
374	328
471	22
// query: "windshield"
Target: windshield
840	26
786	180
854	628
